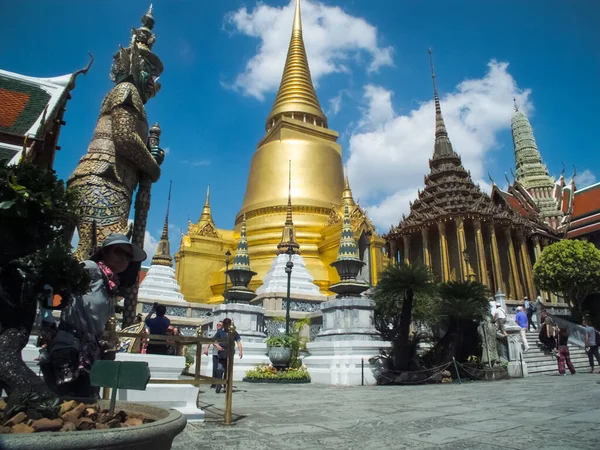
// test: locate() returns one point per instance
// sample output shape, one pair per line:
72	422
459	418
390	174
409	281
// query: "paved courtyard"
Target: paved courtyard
547	412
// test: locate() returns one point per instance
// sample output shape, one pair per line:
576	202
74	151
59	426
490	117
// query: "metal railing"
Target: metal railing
198	379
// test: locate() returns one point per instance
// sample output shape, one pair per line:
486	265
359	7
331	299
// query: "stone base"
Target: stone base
340	362
254	353
181	397
515	371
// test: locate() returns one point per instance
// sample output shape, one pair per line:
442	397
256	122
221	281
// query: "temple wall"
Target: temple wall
453	251
434	251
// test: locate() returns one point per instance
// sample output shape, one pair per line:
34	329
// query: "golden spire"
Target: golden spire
288	236
296	96
162	257
206	215
347	194
442	142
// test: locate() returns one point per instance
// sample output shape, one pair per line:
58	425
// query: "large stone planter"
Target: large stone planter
157	435
280	356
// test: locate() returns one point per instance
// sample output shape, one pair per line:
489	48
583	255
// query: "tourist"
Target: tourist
521	319
174	348
215	352
81	338
563	352
500	318
529	307
547	334
539	305
157	325
591	343
222	336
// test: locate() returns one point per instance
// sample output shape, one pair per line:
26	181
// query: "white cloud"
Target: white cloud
150	244
333	39
167	150
584	179
389	152
335	104
195	163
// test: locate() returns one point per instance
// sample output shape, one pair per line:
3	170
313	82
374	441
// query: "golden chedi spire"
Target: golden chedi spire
206	215
163	249
296	97
288	235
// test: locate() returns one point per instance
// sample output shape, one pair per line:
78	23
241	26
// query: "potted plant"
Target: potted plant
280	350
35	214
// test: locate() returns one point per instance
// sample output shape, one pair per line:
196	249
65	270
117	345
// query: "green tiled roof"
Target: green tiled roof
22	104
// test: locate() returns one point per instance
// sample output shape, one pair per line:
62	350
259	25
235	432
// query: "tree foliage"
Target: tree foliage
35	212
569	267
402	288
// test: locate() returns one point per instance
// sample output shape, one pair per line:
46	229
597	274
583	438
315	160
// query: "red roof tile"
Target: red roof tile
13	104
586	201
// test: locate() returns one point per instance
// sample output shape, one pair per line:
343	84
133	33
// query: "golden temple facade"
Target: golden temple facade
297	133
463	234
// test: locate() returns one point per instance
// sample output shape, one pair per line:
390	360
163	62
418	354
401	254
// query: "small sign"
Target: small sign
120	375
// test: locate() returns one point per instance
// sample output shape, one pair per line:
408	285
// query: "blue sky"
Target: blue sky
223	61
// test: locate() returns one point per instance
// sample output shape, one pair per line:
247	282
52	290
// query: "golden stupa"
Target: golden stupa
296	132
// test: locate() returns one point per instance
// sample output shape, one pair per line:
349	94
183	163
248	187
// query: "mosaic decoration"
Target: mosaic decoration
304	306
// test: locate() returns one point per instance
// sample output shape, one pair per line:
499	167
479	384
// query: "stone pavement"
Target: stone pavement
545	412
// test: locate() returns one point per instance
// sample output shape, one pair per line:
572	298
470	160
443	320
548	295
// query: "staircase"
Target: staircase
539	363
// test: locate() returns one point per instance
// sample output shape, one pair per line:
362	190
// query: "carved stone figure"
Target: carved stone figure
120	155
489	344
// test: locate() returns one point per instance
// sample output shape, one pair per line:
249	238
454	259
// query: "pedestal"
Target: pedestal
249	323
345	350
181	397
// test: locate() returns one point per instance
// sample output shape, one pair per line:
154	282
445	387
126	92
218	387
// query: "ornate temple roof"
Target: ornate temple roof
29	107
205	226
585	218
532	173
296	93
348	248
449	191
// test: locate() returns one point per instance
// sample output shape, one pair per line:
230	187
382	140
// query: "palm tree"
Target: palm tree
394	298
462	305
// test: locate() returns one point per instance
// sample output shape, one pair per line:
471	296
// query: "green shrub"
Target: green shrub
268	372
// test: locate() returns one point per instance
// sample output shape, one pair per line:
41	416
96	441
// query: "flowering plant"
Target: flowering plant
268	372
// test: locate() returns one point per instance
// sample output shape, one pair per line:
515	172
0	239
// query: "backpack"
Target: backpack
531	308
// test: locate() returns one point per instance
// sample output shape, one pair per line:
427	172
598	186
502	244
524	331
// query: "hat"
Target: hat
519	308
120	239
498	304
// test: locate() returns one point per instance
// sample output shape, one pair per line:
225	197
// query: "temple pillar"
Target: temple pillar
527	267
444	256
481	263
513	266
406	252
462	246
426	254
393	252
537	248
496	268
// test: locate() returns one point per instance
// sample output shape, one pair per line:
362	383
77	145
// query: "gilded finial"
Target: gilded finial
297	18
491	179
207	201
347	197
515	104
296	97
442	145
206	213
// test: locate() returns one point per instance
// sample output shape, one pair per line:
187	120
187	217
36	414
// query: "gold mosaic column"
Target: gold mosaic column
526	260
406	252
496	268
462	246
426	255
512	262
445	260
481	262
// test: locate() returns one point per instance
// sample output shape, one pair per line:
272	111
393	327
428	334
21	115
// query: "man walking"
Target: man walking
500	318
522	321
591	344
529	310
222	335
215	352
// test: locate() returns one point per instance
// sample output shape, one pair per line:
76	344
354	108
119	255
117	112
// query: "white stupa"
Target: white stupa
275	281
160	283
